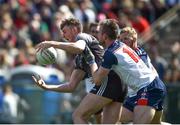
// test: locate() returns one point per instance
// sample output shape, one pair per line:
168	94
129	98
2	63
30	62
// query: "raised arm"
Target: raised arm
71	47
68	87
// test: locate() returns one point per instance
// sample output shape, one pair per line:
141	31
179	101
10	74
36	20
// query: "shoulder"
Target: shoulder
83	36
87	38
109	56
109	59
108	53
140	51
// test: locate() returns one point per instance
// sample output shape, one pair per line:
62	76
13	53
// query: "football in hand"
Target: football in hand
46	56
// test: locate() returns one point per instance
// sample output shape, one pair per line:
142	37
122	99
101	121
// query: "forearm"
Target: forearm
76	77
99	73
65	88
67	46
94	69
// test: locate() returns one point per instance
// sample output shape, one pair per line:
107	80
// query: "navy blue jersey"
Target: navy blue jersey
143	55
96	49
146	59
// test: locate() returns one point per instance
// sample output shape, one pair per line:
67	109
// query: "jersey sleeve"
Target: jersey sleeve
81	65
144	56
78	62
86	37
109	59
81	37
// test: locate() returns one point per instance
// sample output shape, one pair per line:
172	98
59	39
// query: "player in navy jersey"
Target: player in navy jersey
105	96
149	89
128	35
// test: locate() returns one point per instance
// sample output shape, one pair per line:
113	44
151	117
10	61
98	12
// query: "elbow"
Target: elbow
76	49
79	51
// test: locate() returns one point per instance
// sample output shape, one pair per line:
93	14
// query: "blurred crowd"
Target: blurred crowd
25	23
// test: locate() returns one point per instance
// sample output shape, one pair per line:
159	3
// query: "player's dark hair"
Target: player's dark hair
91	25
71	22
110	28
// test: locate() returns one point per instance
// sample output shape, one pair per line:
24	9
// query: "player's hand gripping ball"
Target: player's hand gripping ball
46	56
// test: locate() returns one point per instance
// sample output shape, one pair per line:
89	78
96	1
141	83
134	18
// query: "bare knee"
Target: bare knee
74	115
126	115
77	115
157	118
143	114
111	113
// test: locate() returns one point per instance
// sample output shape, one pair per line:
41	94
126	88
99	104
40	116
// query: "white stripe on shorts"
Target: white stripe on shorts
89	84
103	87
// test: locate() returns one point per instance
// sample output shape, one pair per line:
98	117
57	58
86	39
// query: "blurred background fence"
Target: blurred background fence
172	108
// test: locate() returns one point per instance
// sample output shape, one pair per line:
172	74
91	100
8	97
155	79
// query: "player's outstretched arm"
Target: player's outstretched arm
39	81
68	87
71	47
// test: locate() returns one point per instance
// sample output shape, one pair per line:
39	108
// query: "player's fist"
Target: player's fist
88	56
39	81
43	45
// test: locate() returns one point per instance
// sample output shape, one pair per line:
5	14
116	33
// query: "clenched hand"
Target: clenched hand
39	81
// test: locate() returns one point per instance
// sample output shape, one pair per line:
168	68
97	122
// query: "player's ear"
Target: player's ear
134	40
134	43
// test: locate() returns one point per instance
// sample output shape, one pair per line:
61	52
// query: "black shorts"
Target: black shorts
112	88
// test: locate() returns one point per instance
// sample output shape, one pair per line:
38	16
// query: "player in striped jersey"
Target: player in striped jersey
150	90
128	35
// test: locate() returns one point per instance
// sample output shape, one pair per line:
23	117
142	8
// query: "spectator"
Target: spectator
84	12
5	60
158	62
20	58
159	7
146	9
138	22
93	29
11	101
123	20
173	71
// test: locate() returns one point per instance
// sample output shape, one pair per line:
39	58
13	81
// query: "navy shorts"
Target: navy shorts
112	88
152	95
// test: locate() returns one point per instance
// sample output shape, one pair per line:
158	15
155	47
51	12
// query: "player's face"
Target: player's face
126	39
94	31
100	36
68	33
